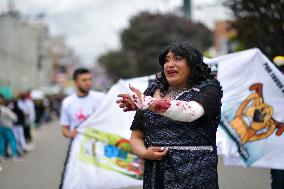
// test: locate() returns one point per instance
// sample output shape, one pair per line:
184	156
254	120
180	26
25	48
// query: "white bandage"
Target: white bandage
179	110
184	111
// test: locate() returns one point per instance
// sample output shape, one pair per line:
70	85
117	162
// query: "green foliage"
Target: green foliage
117	64
144	39
260	24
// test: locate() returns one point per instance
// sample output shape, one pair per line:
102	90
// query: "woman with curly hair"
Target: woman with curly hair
174	128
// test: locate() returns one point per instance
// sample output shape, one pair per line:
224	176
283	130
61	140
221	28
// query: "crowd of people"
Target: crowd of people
19	118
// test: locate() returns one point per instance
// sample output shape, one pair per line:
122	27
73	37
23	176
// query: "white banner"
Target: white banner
250	133
100	156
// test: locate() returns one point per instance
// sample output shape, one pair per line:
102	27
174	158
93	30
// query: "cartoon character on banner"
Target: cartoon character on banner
253	120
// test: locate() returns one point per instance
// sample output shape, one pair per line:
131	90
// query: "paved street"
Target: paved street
42	167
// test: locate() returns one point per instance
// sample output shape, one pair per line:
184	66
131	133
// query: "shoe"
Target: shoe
30	147
2	159
17	159
25	151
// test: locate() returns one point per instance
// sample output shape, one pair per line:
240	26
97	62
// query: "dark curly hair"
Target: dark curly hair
199	70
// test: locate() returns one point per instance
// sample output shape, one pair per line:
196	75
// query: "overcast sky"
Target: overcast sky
92	27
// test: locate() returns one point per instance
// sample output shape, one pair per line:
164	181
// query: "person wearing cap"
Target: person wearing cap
277	175
279	61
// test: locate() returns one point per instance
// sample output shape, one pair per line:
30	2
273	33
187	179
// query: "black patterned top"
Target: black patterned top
183	168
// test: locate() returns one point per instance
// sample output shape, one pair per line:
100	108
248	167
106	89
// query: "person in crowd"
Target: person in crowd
7	117
18	128
277	175
27	106
279	61
55	104
39	112
176	120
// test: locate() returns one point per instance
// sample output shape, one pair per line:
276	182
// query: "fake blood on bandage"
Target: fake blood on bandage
162	105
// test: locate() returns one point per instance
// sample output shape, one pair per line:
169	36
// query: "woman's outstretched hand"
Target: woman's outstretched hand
126	103
136	100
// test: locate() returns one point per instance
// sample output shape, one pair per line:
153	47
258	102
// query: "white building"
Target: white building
29	57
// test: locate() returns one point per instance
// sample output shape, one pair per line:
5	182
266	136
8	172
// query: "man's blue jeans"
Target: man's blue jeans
6	135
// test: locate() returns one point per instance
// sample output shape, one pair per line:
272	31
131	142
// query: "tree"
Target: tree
117	65
259	24
145	37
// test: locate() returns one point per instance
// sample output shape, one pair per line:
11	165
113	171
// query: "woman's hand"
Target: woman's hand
136	96
141	101
155	153
126	103
138	147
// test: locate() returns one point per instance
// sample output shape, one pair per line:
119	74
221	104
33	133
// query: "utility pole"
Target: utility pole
187	9
11	6
11	9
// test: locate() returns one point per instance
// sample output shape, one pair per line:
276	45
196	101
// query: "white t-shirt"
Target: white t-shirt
28	107
75	109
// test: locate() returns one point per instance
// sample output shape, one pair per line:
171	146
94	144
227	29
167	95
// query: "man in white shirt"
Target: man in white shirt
78	107
27	106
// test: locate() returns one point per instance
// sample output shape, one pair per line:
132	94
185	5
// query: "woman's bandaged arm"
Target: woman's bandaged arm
174	109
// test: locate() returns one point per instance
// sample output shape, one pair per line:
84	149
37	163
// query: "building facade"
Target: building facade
29	56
